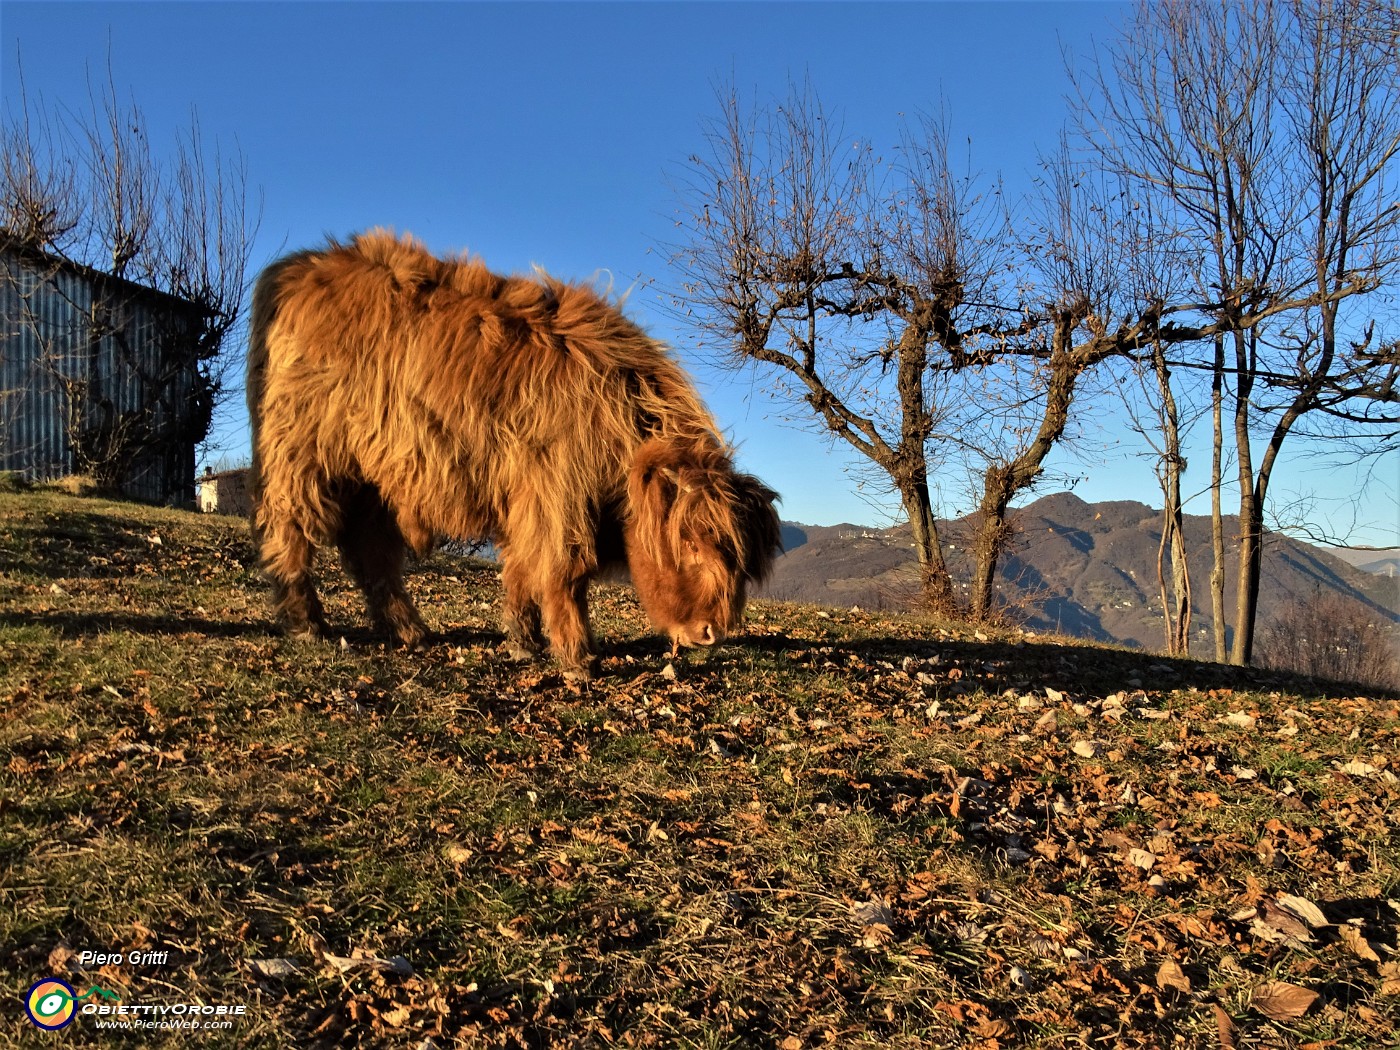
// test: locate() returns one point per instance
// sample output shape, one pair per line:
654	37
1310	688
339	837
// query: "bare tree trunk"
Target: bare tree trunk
1251	525
1251	563
1002	481
911	456
993	532
935	586
1217	521
1176	599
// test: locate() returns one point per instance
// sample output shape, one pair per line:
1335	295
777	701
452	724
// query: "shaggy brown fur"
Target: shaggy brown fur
396	397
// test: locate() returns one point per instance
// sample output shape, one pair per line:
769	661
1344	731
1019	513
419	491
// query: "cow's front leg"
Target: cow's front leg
565	608
520	614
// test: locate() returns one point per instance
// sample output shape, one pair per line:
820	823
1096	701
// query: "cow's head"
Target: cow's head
697	533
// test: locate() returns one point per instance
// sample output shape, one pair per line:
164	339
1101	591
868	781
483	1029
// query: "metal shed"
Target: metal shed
98	375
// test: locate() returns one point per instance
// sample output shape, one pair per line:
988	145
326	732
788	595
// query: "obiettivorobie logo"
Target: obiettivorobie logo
52	1004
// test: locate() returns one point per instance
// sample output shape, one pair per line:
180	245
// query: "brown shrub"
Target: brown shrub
1332	638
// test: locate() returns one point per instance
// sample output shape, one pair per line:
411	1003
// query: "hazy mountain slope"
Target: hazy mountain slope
1085	570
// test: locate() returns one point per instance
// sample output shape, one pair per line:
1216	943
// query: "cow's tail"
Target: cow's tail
266	295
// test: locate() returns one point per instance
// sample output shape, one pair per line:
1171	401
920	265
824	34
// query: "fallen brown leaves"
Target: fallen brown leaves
843	829
1281	1001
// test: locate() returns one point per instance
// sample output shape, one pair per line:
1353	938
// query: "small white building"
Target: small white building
226	492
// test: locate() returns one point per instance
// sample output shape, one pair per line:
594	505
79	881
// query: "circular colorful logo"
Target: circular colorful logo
51	1003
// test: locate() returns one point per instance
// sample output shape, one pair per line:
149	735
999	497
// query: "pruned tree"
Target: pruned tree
1083	256
852	278
1164	435
901	306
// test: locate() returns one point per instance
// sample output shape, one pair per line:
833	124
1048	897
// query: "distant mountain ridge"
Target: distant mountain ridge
1378	563
1086	570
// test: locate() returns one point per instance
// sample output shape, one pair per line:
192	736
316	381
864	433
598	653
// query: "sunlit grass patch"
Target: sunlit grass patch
842	829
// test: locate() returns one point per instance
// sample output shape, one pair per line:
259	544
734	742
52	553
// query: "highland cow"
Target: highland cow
397	398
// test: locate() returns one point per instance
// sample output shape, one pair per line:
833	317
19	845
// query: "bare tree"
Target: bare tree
1085	305
890	300
1268	133
1156	412
901	308
850	277
84	191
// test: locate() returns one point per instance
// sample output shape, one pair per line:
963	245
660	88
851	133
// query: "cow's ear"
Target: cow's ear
759	523
652	485
647	472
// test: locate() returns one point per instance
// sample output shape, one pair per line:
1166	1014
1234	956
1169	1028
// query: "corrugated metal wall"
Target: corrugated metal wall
71	339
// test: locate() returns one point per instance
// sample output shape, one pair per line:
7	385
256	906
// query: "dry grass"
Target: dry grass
845	829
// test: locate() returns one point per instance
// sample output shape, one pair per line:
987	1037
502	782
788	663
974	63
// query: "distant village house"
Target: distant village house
225	493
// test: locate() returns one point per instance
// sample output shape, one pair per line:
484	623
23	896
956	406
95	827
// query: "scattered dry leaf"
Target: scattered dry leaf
873	912
1224	1027
59	958
1141	858
1170	975
1357	944
996	1028
1279	924
1281	1001
396	965
1304	909
1357	768
278	968
456	853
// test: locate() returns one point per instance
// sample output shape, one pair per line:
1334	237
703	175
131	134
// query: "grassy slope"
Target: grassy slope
841	829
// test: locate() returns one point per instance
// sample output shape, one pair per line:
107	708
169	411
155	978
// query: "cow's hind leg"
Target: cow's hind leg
287	555
372	551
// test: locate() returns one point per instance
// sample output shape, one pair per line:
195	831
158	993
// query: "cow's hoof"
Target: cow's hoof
412	639
520	654
577	674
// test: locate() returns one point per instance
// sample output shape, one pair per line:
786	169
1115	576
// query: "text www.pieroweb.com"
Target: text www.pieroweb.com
191	1017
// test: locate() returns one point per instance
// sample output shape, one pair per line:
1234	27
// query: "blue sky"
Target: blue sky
551	134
